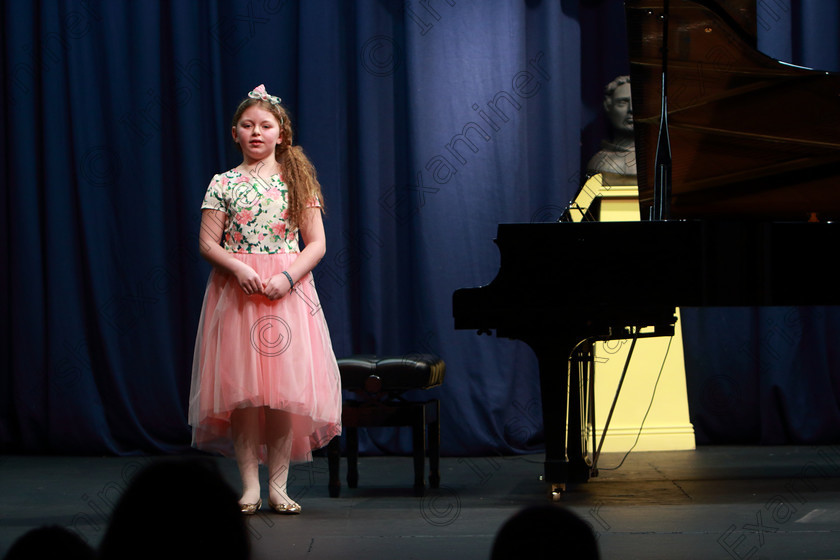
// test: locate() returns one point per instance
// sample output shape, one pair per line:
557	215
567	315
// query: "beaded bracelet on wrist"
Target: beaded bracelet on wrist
291	282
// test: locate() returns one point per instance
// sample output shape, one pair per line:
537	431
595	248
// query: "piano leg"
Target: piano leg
556	387
581	413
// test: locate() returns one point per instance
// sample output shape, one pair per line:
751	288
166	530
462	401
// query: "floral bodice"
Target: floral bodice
256	213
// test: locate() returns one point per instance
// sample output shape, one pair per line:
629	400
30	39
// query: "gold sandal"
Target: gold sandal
250	509
286	509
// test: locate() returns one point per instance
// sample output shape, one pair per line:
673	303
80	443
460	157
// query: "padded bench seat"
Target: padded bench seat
378	383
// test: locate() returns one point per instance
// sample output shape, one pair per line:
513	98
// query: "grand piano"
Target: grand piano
753	194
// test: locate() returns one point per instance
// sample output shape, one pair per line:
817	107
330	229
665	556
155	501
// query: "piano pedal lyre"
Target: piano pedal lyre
557	490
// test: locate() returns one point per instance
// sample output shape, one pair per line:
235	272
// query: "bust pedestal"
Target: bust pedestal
666	423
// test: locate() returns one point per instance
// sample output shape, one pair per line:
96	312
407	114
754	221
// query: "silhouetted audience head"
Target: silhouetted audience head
545	531
50	541
177	509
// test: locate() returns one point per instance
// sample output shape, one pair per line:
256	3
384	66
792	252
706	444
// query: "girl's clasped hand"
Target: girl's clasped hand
274	288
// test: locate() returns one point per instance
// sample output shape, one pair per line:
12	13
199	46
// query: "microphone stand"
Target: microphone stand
661	209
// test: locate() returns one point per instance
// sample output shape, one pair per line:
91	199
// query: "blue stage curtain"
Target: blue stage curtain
429	123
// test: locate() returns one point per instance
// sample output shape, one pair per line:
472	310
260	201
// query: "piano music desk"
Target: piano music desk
667	426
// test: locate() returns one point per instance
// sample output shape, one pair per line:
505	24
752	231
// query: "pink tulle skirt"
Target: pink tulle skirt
254	352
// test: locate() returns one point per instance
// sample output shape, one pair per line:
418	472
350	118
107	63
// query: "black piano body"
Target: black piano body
566	299
747	190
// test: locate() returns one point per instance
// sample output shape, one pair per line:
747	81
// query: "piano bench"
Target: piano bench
378	384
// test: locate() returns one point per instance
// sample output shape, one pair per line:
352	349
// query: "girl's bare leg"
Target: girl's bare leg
245	424
279	442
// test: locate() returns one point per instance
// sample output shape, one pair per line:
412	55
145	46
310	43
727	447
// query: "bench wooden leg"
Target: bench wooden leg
334	462
419	444
352	457
434	448
424	419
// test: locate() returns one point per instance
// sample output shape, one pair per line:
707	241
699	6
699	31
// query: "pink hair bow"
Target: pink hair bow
260	93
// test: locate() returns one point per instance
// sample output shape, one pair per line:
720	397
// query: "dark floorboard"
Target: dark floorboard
716	502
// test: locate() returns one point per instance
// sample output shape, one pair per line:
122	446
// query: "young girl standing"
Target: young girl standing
265	383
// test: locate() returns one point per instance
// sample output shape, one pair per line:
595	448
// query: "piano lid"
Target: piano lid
751	137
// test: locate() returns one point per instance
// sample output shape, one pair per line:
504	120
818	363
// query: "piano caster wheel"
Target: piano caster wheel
557	492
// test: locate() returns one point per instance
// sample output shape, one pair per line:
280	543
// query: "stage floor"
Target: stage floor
715	502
